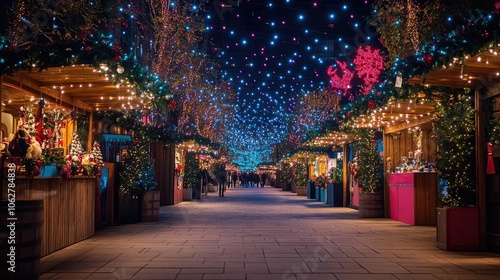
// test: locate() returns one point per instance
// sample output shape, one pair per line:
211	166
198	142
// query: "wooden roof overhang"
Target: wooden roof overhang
481	70
398	115
77	87
333	138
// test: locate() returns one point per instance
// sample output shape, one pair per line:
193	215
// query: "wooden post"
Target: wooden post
480	167
91	132
344	175
384	174
1	106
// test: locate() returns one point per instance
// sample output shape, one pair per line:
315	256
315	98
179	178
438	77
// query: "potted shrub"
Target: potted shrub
334	189
286	177
458	219
320	188
301	179
138	183
369	175
53	160
192	178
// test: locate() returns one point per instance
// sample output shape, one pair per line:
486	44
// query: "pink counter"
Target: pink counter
413	197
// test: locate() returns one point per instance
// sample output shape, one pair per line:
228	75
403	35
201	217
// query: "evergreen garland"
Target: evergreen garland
454	131
370	163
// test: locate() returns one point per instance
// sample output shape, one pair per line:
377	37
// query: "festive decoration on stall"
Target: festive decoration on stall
454	132
369	65
75	155
370	164
94	162
490	163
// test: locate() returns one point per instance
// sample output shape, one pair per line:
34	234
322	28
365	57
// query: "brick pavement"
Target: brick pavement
266	234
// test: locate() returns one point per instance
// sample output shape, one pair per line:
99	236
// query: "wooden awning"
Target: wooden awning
469	72
79	88
398	115
332	139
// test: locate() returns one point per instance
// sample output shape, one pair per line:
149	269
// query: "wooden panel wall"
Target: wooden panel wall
400	143
68	208
164	165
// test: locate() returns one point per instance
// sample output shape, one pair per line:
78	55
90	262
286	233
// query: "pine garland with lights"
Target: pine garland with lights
370	163
138	174
454	131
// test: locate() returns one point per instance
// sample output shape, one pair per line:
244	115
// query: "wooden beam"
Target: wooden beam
32	86
405	125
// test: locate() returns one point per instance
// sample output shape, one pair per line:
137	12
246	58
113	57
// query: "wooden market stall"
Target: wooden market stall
410	181
72	206
481	74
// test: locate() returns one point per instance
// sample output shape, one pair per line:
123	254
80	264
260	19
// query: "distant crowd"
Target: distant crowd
232	179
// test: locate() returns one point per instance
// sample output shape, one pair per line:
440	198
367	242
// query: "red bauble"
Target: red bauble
451	101
118	58
378	94
428	59
348	115
172	105
371	104
88	48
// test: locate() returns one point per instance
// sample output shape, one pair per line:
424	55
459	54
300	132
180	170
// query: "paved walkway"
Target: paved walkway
266	234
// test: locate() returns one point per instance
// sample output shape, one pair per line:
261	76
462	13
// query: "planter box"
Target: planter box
48	170
129	209
458	228
301	190
311	191
187	194
150	206
322	194
318	195
371	205
334	195
294	187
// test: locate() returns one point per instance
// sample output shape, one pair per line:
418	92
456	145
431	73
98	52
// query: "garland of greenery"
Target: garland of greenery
478	35
370	163
96	51
454	130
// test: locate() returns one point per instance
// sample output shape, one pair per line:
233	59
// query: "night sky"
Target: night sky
275	51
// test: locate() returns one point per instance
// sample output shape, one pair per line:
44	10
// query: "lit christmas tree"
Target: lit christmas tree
96	157
454	130
138	173
75	155
29	125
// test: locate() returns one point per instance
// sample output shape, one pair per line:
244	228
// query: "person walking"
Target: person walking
221	180
234	178
263	178
204	180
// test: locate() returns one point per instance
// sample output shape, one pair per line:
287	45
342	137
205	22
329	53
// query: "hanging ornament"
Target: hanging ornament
497	5
371	104
399	80
428	60
172	105
348	115
120	69
451	101
490	163
39	110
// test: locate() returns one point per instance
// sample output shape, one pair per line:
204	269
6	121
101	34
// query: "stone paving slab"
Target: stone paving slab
266	234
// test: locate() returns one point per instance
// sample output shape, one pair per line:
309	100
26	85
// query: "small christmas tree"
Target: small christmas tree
29	124
75	155
138	173
97	154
